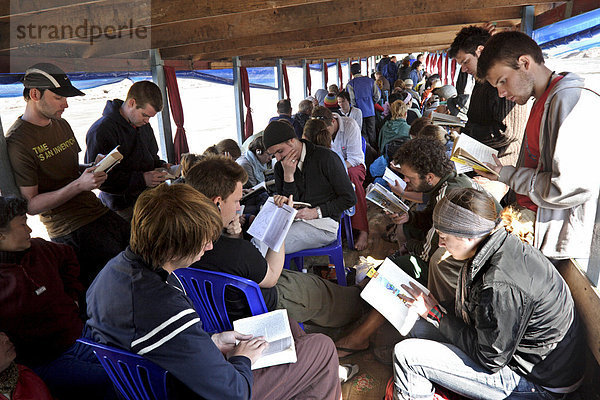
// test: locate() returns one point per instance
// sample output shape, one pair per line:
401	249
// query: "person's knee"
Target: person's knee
405	352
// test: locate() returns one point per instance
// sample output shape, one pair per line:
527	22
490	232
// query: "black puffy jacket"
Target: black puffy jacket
521	314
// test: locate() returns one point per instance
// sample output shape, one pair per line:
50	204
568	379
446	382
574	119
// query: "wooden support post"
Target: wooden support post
323	67
280	87
164	117
593	267
7	179
239	102
305	65
527	19
338	78
349	69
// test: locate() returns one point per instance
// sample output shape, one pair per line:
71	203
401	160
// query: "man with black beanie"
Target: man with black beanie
312	174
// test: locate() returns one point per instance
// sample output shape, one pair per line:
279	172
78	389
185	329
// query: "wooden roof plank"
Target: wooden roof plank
274	21
389	27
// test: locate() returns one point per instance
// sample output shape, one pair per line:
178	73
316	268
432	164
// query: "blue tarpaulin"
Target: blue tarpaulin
260	78
577	33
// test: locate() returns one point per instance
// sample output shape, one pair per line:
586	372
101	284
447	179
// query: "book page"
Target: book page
391	177
385	199
478	150
272	224
382	293
109	161
274	326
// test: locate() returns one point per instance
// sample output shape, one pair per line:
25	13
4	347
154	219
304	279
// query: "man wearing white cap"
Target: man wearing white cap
43	152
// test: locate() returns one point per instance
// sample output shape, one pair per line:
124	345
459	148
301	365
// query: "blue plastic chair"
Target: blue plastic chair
333	250
347	222
364	145
135	377
206	289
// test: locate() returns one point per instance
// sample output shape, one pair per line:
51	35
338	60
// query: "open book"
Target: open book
472	153
251	193
173	172
109	161
446	119
382	293
275	327
385	199
272	224
391	178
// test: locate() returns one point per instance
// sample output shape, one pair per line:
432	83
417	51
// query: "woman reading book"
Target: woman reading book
513	328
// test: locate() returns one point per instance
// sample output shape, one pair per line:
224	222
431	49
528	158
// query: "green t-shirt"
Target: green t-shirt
46	156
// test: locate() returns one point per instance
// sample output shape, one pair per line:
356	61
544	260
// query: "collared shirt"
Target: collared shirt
302	155
348	141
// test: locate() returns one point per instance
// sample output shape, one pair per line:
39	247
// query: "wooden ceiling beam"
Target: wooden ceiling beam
163	11
188	30
389	27
368	47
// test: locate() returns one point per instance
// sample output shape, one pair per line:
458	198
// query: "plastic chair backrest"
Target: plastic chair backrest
364	145
135	377
206	289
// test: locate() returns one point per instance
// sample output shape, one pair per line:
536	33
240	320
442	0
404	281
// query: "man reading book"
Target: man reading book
554	175
426	169
307	297
125	124
492	120
314	175
148	312
43	152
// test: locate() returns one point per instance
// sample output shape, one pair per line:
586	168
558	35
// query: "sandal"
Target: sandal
347	372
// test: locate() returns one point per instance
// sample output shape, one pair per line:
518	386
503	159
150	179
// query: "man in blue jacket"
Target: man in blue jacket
125	124
364	93
137	304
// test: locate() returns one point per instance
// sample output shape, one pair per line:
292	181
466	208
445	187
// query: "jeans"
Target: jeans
76	374
424	360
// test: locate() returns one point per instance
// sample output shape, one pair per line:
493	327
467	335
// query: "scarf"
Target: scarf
9	378
258	168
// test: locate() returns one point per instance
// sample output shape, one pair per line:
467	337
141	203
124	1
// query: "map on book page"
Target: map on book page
382	293
385	199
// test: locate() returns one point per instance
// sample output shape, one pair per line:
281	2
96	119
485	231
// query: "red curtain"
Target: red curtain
439	65
180	141
308	82
326	73
286	81
446	70
248	126
428	63
453	70
339	65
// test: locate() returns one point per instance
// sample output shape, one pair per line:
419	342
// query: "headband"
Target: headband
455	220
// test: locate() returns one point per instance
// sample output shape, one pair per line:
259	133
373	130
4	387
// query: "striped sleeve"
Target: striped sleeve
165	331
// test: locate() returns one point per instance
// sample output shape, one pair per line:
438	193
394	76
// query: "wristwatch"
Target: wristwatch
319	213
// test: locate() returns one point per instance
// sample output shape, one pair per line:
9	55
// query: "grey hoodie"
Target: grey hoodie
565	184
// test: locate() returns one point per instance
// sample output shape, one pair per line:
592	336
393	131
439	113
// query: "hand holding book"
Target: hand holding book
420	301
496	168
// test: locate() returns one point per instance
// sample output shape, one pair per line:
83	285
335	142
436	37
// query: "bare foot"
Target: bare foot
346	346
362	241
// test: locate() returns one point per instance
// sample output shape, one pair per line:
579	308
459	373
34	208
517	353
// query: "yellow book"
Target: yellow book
474	154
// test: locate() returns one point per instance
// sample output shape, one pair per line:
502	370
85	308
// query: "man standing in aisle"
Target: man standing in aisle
364	93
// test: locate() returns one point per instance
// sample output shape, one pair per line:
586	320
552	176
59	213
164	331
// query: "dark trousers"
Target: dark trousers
96	243
369	132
